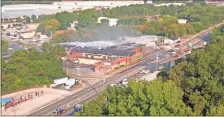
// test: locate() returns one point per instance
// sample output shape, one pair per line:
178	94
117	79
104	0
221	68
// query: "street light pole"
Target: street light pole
67	67
104	80
157	58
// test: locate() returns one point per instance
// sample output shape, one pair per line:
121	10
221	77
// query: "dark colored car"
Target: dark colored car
59	111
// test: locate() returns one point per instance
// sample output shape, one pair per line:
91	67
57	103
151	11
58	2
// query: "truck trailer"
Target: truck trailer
59	81
69	83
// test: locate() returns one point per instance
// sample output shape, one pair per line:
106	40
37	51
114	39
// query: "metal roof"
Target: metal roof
5	100
103	51
22	12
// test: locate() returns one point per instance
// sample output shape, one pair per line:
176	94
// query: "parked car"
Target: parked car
146	71
59	111
141	71
178	41
75	61
176	48
152	71
7	34
190	45
124	82
112	85
78	107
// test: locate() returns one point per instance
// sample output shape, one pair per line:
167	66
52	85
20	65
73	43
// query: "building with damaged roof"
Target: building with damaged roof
105	59
108	55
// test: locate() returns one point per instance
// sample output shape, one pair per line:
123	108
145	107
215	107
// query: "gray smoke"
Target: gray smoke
102	32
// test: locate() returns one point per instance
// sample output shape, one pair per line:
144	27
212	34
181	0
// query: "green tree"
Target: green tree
34	18
28	20
140	99
65	18
88	18
193	87
29	68
5	45
52	25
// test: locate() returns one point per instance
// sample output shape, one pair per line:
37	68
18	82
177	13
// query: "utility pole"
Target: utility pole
103	82
67	67
157	58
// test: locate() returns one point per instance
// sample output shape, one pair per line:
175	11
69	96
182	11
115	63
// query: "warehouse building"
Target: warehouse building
106	56
105	59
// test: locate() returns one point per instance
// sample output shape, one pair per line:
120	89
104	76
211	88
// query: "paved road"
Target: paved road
90	92
152	66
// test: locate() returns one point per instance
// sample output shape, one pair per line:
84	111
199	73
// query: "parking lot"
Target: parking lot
24	35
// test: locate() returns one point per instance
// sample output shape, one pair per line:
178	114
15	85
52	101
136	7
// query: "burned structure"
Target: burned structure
124	51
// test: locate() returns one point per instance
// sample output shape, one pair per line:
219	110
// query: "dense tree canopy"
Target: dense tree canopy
52	25
199	17
193	87
5	45
31	68
65	18
132	20
88	18
139	99
201	77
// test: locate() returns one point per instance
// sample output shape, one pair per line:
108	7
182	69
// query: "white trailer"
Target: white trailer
70	83
59	81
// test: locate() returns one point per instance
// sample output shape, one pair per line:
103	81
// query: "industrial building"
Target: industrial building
11	12
107	58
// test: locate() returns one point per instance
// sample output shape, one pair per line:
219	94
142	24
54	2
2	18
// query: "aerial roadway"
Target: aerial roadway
92	92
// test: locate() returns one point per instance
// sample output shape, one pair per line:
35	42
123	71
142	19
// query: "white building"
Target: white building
100	18
112	21
182	21
20	10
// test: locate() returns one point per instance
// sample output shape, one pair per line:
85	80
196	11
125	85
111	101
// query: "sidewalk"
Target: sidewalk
25	108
